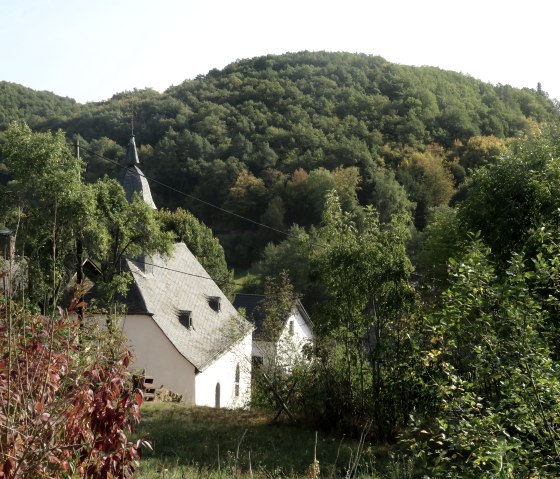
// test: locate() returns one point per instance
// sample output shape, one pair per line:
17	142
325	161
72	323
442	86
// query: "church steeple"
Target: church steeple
131	158
133	180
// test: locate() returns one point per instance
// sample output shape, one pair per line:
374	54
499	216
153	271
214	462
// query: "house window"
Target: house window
185	318
215	303
291	327
237	376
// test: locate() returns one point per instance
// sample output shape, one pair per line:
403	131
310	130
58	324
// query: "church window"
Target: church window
237	377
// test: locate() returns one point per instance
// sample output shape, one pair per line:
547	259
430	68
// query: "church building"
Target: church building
182	329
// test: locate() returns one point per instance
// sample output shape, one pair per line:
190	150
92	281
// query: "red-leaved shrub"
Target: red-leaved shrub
66	409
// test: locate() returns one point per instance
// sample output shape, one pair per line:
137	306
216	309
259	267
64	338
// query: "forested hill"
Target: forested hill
267	137
38	108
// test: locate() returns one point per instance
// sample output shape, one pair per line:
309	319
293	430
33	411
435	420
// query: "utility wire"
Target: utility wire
223	210
192	197
219	283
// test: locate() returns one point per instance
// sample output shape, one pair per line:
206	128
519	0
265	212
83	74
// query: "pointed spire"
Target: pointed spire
133	180
131	158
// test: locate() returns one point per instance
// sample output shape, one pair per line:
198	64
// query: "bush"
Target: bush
66	407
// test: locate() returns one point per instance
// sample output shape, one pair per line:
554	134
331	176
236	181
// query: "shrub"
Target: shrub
66	408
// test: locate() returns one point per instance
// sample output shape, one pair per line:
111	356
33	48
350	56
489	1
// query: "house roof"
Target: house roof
254	311
133	180
167	291
252	305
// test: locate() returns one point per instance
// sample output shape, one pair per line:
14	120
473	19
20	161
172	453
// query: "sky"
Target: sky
90	50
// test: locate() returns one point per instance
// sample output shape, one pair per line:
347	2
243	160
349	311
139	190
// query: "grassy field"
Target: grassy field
244	280
205	443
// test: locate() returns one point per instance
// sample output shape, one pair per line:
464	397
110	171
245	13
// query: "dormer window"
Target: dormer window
215	303
185	318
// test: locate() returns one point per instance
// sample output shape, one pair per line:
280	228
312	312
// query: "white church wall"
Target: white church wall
155	353
222	372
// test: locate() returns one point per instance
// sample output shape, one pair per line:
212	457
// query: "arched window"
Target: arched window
217	398
237	376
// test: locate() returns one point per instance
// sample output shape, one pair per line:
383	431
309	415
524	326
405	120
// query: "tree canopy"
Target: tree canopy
244	137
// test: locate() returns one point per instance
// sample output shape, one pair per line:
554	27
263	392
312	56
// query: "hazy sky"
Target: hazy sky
90	50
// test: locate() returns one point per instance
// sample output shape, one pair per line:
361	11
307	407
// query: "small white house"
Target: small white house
291	344
182	329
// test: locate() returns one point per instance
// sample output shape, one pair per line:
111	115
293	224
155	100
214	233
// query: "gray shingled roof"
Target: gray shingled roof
166	292
133	180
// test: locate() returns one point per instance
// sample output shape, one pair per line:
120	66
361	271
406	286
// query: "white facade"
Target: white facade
290	348
156	355
227	381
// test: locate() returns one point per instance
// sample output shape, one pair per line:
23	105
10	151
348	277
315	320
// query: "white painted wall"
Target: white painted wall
157	355
302	335
289	347
222	371
154	353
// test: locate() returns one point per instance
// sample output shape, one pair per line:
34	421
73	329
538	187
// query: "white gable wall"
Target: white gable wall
222	372
155	353
290	347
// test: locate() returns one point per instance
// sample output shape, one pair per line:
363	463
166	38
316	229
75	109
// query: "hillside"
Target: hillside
38	108
267	137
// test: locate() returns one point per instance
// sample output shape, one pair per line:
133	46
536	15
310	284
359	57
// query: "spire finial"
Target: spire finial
132	117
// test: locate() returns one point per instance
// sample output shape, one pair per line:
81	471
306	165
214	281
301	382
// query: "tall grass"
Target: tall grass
205	443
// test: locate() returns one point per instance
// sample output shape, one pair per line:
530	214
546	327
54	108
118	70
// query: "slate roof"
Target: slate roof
133	180
91	291
166	290
252	305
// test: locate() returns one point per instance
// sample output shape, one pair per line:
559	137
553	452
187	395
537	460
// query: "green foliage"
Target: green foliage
428	182
202	244
36	108
508	200
60	221
277	305
92	152
482	150
368	319
354	274
120	229
443	239
302	110
292	255
388	196
43	204
490	362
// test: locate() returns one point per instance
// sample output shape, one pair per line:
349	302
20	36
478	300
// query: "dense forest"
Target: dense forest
416	211
267	138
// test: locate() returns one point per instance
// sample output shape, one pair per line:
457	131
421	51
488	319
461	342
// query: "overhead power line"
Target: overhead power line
219	283
192	197
153	180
